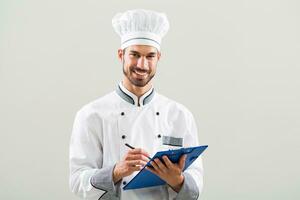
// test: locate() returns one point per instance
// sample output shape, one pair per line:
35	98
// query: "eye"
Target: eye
134	55
151	56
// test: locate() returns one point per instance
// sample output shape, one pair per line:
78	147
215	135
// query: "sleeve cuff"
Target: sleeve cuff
103	180
189	189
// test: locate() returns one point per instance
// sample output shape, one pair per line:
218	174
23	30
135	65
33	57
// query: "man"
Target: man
100	162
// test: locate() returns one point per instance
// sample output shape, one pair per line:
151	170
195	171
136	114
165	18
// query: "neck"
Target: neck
138	91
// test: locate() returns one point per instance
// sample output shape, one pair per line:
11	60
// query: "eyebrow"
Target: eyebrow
136	52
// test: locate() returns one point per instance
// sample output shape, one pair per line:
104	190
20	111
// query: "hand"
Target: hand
169	172
134	160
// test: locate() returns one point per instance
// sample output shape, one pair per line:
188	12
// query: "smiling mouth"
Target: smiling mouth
140	73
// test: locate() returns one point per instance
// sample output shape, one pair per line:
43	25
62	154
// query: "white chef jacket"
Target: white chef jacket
101	129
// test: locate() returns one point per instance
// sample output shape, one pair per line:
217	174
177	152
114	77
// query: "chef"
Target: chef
135	114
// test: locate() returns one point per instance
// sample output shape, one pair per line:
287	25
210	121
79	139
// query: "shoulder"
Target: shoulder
172	106
99	106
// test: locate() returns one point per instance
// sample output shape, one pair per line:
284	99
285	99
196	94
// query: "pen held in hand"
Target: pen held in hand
131	147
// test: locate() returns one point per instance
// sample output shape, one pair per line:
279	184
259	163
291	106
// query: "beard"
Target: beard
138	82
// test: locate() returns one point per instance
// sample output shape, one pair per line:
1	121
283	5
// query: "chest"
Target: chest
147	128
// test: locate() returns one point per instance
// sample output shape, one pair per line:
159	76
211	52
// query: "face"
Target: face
139	63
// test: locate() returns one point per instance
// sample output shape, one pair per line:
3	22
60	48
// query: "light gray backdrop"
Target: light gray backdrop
234	64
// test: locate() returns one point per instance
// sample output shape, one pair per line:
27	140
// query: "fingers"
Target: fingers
181	162
168	163
136	162
152	170
159	166
126	168
136	157
134	165
138	151
136	168
154	165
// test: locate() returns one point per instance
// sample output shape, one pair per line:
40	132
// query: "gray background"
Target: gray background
234	64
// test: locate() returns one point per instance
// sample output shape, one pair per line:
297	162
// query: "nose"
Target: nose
142	63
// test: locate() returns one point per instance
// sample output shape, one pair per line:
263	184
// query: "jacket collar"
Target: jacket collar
132	98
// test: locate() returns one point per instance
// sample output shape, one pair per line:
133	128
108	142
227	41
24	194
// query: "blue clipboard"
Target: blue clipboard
146	178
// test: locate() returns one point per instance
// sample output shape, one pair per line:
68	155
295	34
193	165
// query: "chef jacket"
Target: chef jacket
152	122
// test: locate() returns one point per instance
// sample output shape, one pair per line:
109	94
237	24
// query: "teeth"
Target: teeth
140	73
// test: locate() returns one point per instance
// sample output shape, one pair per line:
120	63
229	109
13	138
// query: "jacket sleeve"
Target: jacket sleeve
193	175
88	179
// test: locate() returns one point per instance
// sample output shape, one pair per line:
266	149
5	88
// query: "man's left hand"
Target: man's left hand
168	171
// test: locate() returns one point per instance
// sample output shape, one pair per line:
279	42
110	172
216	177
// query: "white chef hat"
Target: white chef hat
140	27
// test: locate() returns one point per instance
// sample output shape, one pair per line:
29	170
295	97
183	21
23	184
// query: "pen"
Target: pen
131	147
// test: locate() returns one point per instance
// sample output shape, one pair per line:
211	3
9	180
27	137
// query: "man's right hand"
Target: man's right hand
134	160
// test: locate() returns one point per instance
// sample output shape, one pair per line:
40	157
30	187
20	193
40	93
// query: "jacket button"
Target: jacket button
159	136
123	136
122	113
157	113
124	182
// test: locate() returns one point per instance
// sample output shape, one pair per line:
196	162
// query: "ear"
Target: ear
158	55
120	54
